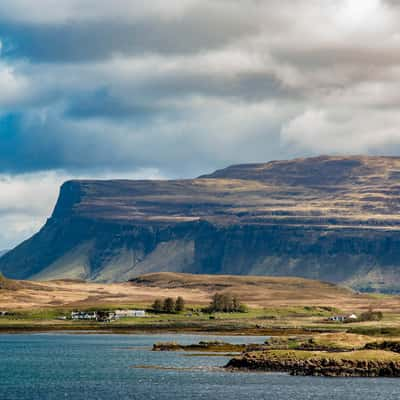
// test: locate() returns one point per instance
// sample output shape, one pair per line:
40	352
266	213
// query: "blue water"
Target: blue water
89	367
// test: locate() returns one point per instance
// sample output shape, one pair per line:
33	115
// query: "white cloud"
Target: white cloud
13	87
25	202
345	132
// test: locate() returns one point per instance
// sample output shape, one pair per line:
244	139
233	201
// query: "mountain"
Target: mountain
328	218
2	252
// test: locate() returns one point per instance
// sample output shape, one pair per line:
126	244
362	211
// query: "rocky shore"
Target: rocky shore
351	364
328	354
214	346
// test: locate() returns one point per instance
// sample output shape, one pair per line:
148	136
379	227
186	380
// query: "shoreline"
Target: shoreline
147	330
157	329
303	357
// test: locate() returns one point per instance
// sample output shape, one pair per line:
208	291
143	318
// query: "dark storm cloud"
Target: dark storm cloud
102	104
124	74
134	80
144	103
64	143
251	87
84	41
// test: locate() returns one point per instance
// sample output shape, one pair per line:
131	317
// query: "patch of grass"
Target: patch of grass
296	312
36	314
341	340
359	355
379	295
376	330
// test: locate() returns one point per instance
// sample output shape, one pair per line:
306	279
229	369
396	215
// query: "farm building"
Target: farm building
343	318
80	315
129	313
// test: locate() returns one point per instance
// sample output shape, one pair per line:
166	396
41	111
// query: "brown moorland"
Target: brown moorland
256	292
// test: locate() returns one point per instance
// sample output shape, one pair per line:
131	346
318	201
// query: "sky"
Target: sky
177	88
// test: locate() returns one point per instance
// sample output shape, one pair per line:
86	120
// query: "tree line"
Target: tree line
371	315
169	305
226	302
220	302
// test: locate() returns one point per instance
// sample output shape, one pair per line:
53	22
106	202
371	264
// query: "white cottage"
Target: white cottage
343	318
129	313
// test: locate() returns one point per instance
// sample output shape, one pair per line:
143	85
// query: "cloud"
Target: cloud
344	132
13	87
62	11
52	141
129	77
122	29
24	203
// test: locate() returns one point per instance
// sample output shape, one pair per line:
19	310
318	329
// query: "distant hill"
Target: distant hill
256	290
270	292
328	218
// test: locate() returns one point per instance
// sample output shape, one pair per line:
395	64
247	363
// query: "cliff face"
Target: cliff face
328	218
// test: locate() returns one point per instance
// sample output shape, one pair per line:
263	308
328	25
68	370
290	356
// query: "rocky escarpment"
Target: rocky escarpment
355	364
330	218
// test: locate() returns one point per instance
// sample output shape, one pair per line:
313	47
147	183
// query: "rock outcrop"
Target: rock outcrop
213	347
340	365
330	218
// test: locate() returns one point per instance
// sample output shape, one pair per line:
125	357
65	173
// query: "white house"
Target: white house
338	318
129	313
80	315
343	318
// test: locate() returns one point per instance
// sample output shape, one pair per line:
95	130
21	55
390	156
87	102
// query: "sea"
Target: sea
117	367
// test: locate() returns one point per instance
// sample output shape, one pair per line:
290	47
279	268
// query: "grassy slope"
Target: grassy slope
257	292
287	304
359	355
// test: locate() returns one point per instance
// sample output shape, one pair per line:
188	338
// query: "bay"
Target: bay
119	367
